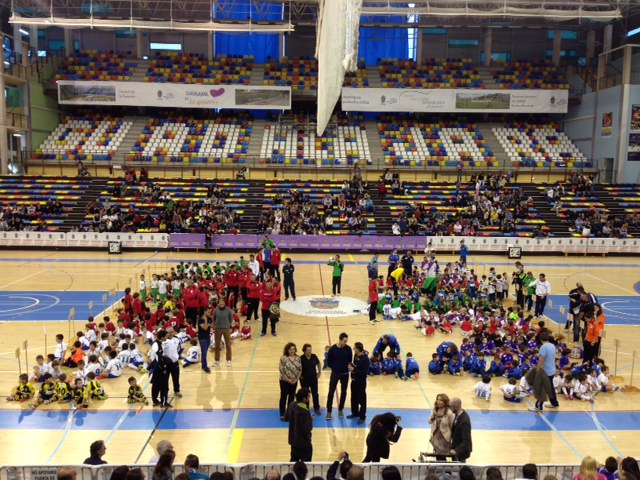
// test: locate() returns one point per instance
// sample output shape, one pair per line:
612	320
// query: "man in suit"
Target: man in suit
461	432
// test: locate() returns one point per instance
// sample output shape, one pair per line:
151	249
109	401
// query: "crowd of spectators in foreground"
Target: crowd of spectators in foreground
344	469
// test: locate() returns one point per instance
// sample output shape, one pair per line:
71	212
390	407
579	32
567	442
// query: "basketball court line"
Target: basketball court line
257	419
602	431
381	262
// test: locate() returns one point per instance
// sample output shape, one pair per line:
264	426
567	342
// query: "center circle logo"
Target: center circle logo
324	306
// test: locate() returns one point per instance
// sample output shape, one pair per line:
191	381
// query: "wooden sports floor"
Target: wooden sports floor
231	415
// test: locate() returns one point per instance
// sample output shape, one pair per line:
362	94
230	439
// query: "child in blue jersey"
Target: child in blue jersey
392	365
435	367
480	368
495	367
375	367
466	346
563	361
469	361
412	368
515	371
506	358
455	367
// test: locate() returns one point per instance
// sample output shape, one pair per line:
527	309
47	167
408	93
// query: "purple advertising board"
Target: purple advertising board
300	242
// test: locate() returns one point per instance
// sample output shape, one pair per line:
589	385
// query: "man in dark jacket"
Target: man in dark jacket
338	359
359	369
300	426
461	445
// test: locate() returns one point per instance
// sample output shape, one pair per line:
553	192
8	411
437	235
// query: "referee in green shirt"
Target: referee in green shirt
338	268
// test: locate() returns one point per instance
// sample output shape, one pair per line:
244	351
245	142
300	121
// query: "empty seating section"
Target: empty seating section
433	73
96	137
538	145
306	206
151	207
523	75
627	197
97	65
188	139
440	208
37	203
357	79
295	142
299	73
413	143
195	68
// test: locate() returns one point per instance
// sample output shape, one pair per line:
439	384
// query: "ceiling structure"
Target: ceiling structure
258	15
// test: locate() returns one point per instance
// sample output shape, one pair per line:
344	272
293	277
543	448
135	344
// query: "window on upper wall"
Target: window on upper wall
434	31
497	57
166	46
463	42
564	35
412	34
563	54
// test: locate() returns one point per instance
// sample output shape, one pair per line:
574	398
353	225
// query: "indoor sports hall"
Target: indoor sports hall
446	161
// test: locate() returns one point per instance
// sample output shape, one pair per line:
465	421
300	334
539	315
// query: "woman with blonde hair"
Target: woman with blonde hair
441	421
589	470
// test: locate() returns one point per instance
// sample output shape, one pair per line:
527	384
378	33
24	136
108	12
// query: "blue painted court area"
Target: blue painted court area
149	418
620	309
50	305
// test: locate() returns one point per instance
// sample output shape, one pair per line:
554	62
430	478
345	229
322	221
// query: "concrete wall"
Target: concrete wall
44	114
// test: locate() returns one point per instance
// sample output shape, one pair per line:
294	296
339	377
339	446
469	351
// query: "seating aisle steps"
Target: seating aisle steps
255	142
494	144
77	215
131	137
556	224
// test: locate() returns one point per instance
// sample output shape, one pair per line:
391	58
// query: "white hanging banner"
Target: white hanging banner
175	95
453	100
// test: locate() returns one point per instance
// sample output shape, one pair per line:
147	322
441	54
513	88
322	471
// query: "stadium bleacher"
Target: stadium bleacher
406	142
195	68
530	75
223	139
296	143
97	65
528	144
85	137
299	73
432	73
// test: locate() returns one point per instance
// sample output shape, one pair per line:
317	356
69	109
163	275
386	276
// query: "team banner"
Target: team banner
454	100
174	95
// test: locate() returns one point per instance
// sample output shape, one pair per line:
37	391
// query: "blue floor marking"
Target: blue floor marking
620	309
50	305
269	418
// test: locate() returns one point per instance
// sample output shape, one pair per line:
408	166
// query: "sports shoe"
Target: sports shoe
372	322
228	363
328	417
178	394
548	405
317	411
361	421
535	409
262	334
340	414
274	334
206	370
216	364
167	405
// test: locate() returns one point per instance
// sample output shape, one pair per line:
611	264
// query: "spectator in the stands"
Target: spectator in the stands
530	471
96	451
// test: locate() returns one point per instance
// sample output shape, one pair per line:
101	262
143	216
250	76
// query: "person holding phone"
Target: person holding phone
384	430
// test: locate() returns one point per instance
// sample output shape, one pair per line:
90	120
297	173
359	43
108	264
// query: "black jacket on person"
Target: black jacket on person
300	425
378	438
360	367
461	436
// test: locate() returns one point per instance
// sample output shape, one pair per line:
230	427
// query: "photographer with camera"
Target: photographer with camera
383	430
340	468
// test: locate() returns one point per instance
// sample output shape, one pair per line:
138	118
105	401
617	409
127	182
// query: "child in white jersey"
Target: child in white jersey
193	354
482	389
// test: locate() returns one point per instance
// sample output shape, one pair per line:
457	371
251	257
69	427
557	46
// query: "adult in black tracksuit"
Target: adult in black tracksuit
160	376
384	428
338	360
310	373
289	284
300	426
359	372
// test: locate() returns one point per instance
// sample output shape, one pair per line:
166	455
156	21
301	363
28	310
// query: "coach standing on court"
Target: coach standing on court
289	283
547	363
222	319
406	262
359	369
172	350
543	290
160	376
338	360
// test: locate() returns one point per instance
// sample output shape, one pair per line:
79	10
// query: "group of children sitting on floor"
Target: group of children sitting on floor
513	349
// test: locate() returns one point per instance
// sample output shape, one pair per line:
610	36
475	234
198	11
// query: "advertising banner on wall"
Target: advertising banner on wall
633	152
174	95
454	100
